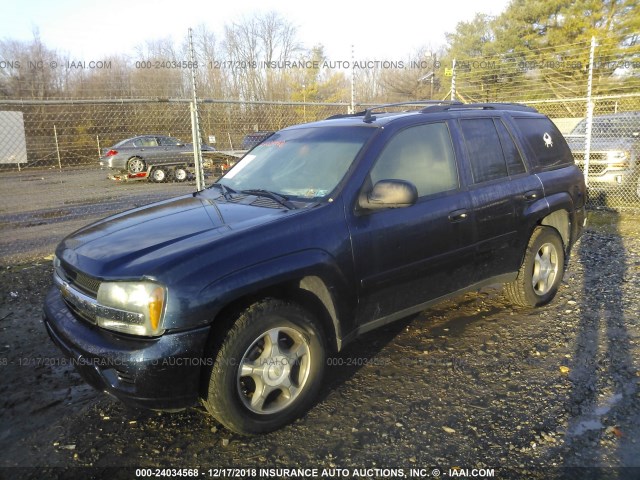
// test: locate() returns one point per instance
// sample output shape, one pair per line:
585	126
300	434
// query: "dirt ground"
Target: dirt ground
472	383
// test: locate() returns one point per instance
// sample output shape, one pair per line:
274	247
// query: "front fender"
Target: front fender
313	270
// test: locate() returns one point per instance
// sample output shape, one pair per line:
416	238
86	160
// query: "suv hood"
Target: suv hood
134	241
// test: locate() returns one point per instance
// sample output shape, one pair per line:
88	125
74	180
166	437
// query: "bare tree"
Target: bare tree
256	48
37	72
413	81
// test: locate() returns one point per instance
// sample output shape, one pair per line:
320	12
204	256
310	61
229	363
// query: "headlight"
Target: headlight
618	158
131	307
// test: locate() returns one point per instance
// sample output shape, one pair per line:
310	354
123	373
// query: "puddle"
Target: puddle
585	426
591	421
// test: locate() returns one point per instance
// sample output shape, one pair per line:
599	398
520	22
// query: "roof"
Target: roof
380	114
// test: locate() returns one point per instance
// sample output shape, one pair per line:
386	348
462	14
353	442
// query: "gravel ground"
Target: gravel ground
471	383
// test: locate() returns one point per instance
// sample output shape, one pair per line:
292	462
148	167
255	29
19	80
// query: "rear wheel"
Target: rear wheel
158	175
180	174
541	271
136	165
268	369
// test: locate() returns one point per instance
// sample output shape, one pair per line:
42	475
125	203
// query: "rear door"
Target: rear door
501	189
407	256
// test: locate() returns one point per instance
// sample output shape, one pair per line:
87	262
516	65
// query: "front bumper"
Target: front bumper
158	373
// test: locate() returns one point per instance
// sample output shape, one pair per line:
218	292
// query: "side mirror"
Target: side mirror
389	194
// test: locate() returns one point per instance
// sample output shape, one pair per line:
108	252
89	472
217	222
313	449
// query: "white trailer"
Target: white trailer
13	144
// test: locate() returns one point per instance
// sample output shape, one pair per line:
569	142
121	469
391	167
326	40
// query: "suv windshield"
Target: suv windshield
610	127
307	163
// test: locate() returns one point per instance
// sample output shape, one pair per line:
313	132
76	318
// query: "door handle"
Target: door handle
458	216
532	195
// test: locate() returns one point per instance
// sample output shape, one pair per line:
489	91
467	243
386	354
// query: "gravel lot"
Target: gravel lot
471	383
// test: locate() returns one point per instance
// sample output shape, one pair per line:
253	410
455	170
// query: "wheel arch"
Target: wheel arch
559	220
310	292
136	156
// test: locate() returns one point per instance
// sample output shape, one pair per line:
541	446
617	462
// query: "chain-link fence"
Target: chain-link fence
68	133
52	181
50	151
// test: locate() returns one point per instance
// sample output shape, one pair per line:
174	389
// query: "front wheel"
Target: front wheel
268	369
541	271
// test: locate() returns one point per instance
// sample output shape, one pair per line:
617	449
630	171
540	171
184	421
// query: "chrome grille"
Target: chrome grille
81	281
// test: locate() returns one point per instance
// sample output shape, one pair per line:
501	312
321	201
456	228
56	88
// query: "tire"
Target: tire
158	175
180	174
258	385
136	165
541	271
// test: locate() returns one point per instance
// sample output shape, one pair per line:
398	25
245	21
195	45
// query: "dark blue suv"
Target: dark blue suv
235	295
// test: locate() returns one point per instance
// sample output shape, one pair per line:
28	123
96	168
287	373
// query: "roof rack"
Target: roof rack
434	106
368	117
367	113
479	106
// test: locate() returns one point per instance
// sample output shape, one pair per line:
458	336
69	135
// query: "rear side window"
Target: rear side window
549	146
146	142
484	148
422	155
515	165
169	141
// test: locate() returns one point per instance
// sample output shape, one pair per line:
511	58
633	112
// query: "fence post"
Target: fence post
99	149
453	80
195	126
352	107
55	135
587	137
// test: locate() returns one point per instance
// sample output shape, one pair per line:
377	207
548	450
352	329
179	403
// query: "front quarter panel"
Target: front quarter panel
306	243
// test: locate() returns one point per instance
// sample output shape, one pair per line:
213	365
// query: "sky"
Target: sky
90	30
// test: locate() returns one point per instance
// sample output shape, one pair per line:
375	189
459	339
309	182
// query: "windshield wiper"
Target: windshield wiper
281	199
226	191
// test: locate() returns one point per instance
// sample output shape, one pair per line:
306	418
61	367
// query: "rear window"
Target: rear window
549	147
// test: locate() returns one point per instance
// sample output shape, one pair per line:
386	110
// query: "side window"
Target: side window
549	147
422	155
515	165
168	141
484	148
147	142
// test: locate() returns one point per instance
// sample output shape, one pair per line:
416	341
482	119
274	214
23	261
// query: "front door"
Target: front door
405	257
